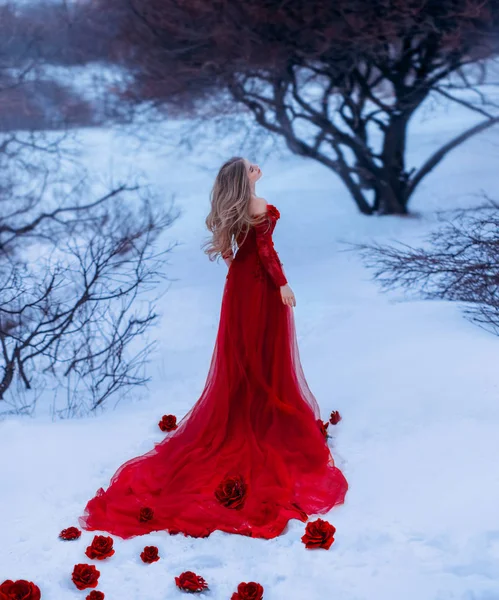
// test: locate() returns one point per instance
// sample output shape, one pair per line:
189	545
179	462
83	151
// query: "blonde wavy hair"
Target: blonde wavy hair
229	216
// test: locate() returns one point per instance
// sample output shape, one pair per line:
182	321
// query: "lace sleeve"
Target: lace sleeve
267	253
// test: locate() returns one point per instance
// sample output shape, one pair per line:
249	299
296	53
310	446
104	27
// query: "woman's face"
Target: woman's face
254	171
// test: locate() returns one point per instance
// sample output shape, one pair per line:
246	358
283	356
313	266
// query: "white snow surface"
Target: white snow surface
417	386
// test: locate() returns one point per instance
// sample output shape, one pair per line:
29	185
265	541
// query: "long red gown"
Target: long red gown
250	454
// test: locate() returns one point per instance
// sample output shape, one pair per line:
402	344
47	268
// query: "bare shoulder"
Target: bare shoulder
258	206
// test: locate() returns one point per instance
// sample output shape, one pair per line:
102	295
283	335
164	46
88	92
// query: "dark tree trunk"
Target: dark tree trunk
7	379
390	193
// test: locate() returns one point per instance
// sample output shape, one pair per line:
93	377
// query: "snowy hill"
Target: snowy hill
417	386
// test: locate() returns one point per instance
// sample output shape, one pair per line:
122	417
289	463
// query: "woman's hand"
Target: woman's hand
287	295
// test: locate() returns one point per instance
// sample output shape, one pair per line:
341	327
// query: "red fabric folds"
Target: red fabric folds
249	455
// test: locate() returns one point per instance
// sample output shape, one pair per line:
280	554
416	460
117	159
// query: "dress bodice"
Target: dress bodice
272	213
258	242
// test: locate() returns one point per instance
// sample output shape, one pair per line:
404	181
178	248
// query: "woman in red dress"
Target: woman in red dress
251	453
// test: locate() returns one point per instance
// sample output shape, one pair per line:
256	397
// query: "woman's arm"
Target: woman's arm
267	253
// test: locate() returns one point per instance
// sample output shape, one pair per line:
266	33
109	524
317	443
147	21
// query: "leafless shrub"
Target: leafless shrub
76	276
459	262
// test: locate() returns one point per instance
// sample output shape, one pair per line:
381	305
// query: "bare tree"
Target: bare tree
72	273
338	81
459	262
79	263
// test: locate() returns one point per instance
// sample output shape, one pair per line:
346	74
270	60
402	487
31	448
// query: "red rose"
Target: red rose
149	554
319	534
168	423
248	591
94	595
19	590
146	513
231	492
101	547
323	427
190	582
85	576
71	533
335	417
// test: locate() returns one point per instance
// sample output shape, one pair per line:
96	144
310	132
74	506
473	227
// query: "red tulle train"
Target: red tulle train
250	454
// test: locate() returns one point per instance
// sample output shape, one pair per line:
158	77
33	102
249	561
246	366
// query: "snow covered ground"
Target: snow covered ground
417	385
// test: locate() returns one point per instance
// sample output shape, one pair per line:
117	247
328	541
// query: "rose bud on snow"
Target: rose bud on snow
168	423
335	417
248	591
149	554
319	534
19	590
101	547
71	533
85	576
190	582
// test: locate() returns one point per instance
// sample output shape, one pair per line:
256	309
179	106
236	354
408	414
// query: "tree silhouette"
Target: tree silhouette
339	81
